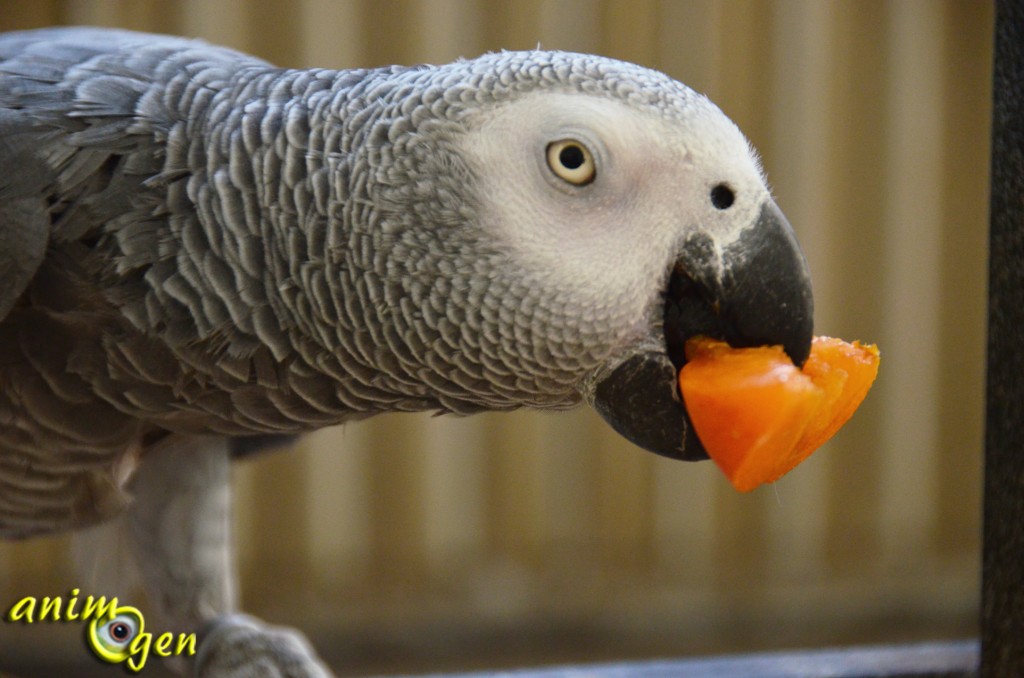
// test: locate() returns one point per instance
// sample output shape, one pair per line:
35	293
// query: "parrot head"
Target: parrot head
595	215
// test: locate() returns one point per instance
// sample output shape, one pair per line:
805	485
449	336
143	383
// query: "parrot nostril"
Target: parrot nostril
722	197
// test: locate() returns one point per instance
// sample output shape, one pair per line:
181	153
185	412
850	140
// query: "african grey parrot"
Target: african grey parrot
197	248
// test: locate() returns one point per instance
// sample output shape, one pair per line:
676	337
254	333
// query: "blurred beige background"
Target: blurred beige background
411	543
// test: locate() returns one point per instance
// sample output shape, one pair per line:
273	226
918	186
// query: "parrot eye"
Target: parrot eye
571	161
722	197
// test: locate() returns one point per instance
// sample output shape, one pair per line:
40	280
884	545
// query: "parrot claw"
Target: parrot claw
239	646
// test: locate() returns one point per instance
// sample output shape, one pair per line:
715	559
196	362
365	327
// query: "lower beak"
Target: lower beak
756	292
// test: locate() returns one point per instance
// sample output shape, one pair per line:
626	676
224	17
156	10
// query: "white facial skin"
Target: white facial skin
609	243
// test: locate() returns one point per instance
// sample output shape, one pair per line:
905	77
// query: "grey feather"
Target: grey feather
237	249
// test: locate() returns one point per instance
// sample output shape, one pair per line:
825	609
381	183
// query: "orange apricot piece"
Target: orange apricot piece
845	372
758	415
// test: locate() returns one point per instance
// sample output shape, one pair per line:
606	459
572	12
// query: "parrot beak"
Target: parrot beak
755	291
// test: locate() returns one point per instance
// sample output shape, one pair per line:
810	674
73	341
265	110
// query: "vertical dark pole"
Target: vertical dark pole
1002	653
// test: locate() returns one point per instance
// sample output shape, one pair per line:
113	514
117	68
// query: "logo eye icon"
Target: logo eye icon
120	631
112	639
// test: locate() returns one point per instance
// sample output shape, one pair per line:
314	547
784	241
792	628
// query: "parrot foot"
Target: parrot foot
239	646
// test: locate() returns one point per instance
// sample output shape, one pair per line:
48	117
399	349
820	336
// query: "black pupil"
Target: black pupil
120	631
571	157
722	197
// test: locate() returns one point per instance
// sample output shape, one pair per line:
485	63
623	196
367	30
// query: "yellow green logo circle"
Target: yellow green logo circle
111	639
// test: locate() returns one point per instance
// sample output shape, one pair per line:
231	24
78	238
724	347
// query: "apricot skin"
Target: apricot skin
758	415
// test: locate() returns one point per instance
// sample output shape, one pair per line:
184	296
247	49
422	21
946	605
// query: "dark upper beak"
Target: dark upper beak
755	291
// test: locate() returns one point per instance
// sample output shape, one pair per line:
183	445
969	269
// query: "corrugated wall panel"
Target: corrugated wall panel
872	120
910	274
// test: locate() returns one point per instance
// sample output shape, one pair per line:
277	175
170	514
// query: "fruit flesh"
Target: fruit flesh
758	415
